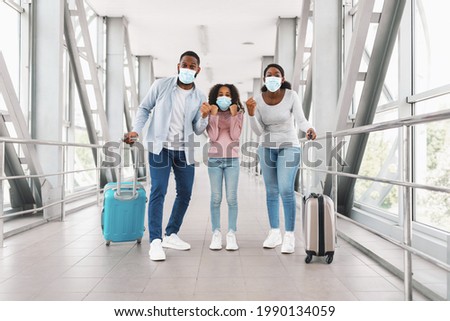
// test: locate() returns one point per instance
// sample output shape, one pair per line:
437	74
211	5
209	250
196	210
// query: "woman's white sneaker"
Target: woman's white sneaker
273	239
231	242
288	246
216	241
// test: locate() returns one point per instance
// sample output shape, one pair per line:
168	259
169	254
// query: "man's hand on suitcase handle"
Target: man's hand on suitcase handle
130	138
311	134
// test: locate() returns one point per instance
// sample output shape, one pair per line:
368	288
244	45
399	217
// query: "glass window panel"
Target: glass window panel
433	209
377	6
3	107
439	103
431	46
432	146
380	160
83	159
390	90
93	30
431	165
10	41
371	35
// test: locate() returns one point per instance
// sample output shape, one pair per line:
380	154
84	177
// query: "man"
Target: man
179	110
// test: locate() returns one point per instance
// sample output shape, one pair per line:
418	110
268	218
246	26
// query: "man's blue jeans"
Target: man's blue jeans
220	169
160	167
279	168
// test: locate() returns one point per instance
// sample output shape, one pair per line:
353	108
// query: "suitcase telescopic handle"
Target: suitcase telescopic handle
135	167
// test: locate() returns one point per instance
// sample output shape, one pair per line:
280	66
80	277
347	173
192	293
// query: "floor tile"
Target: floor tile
179	285
124	285
79	284
370	284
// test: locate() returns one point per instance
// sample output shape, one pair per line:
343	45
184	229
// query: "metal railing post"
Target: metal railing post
407	211
2	173
334	185
63	184
98	174
448	262
301	169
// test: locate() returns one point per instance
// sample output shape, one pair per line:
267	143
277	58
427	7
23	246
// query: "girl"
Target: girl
224	129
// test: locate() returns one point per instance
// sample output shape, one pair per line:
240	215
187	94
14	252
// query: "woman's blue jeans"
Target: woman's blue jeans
160	167
279	168
220	169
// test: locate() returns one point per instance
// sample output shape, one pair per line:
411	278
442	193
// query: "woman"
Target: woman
224	129
271	115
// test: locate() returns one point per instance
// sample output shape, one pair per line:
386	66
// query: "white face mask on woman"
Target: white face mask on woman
273	83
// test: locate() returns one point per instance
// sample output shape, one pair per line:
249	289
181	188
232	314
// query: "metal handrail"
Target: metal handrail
47	142
37	209
397	123
399	244
4	178
403	246
382	180
97	190
406	123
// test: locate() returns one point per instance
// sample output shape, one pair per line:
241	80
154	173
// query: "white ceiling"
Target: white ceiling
166	28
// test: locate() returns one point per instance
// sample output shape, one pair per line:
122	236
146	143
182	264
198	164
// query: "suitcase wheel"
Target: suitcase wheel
329	258
139	241
308	258
107	243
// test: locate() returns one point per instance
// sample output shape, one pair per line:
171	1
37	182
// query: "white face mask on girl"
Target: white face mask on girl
273	83
186	76
223	102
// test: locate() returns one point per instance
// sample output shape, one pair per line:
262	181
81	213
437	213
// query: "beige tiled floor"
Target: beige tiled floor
69	261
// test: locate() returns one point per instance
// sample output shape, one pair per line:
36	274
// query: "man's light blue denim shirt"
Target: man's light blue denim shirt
157	105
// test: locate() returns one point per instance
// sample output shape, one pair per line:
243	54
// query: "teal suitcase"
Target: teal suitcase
123	212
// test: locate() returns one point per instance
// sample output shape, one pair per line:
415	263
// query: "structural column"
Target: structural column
265	60
146	75
285	46
115	82
326	59
47	94
405	87
405	80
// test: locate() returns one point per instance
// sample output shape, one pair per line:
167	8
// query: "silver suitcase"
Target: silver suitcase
319	225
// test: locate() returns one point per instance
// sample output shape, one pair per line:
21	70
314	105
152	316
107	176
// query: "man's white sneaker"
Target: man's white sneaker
231	242
288	243
216	241
273	239
174	242
156	251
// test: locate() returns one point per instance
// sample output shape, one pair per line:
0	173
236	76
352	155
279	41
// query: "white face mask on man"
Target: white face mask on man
186	76
273	83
